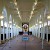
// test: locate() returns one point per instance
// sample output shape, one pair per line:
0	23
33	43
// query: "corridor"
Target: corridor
17	43
24	24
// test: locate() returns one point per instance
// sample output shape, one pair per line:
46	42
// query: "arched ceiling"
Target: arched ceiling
24	7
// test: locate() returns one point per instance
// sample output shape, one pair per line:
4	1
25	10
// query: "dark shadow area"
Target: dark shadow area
48	37
1	36
4	36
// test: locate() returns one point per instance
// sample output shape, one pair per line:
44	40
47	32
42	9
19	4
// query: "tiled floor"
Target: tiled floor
18	44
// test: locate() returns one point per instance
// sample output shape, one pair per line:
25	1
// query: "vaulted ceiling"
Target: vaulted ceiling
24	7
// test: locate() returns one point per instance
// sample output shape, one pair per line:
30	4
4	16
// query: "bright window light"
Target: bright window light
40	26
14	24
10	26
5	24
48	22
36	24
1	22
10	22
45	24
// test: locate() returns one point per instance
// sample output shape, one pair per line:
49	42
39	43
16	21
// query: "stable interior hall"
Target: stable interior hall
24	24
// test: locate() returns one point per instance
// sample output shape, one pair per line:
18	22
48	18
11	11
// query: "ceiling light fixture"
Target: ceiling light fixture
17	9
18	12
33	8
1	17
31	12
48	17
35	2
40	16
15	3
19	16
30	16
11	2
40	22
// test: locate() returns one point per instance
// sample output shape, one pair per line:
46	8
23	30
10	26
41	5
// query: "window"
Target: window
1	22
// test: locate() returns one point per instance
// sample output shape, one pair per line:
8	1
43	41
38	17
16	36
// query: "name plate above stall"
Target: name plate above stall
25	38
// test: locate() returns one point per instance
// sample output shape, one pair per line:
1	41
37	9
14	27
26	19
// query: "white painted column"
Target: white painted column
34	31
43	30
10	26
38	30
11	32
3	30
47	28
14	30
0	31
7	31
